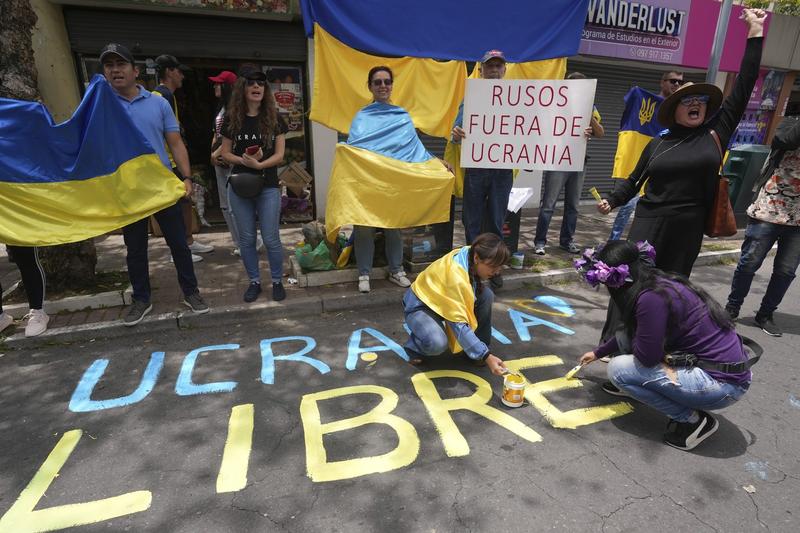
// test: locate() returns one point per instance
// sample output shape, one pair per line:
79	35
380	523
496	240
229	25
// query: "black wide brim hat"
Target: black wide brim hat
666	112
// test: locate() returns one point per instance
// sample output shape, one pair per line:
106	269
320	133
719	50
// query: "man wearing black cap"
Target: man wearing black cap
155	120
171	75
486	190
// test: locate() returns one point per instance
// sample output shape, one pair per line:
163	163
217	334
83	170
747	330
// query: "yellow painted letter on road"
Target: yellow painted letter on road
233	470
317	464
535	393
455	445
22	518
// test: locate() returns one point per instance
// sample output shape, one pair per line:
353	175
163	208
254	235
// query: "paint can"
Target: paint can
517	260
513	390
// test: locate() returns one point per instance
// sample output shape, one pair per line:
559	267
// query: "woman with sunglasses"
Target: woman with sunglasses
253	142
679	170
380	81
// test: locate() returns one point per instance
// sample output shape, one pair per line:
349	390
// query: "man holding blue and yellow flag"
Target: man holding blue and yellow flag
637	127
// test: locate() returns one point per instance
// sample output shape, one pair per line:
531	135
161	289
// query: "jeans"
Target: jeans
222	191
758	240
267	205
427	334
554	181
170	220
695	389
486	194
364	247
623	215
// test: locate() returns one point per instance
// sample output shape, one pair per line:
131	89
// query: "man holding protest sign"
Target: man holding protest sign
572	183
486	190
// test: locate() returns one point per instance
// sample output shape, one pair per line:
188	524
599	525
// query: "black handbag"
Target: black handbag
247	184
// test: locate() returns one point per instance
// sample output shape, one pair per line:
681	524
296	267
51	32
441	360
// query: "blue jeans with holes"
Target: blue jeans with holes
267	206
364	248
759	237
623	215
695	390
485	200
554	181
427	329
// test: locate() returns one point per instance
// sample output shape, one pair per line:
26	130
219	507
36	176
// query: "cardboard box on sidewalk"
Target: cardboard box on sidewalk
296	178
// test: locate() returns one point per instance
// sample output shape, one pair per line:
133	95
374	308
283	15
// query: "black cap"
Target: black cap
116	49
167	61
251	72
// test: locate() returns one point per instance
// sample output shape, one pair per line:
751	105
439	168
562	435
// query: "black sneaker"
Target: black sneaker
612	389
196	303
686	436
768	325
252	292
278	292
496	282
733	312
136	312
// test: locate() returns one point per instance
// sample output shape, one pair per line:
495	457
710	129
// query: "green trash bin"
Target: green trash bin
742	169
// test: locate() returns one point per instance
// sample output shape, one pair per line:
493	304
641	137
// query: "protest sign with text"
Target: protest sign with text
526	124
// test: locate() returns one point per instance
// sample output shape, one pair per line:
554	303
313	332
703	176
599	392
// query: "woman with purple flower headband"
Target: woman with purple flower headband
682	355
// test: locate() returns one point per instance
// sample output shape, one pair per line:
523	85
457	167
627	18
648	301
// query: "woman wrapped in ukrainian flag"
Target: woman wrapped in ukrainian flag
449	307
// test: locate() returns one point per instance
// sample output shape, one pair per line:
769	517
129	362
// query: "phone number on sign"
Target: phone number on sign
650	53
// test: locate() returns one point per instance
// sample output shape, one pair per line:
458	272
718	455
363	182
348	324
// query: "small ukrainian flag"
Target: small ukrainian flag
637	127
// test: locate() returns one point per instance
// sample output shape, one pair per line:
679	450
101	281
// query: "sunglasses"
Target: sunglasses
674	81
695	98
260	83
379	82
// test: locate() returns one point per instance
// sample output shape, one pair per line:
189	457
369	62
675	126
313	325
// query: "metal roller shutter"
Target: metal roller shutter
150	34
613	82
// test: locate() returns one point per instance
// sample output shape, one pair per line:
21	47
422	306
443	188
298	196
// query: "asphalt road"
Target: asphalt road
180	457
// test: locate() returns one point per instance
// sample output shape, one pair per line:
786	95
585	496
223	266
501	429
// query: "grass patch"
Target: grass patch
104	282
720	247
546	264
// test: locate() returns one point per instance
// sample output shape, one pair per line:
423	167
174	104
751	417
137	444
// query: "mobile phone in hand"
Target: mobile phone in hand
252	150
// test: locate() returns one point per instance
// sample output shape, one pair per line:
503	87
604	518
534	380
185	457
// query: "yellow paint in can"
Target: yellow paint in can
513	390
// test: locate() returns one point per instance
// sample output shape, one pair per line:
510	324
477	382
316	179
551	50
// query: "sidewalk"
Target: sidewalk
223	281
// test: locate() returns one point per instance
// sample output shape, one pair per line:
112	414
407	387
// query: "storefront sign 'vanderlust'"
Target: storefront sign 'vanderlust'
526	124
647	30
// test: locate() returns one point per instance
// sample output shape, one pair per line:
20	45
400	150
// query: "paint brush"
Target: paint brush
596	194
571	373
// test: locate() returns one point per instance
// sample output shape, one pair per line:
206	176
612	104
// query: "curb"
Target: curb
292	308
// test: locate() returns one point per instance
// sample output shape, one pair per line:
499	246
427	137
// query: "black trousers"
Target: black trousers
27	261
170	220
677	239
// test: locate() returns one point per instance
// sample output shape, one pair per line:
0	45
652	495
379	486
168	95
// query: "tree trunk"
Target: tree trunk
71	265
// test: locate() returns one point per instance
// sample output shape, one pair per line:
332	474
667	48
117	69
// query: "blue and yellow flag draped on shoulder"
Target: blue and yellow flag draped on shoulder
67	182
445	287
637	127
383	176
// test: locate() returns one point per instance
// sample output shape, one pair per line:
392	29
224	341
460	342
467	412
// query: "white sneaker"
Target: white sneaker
37	322
200	248
5	320
236	252
195	259
400	279
363	283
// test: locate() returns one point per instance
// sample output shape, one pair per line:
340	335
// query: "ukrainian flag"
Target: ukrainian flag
62	183
637	127
383	177
445	287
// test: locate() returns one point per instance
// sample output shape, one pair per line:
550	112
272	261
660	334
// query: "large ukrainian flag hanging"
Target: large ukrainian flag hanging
637	127
67	182
383	177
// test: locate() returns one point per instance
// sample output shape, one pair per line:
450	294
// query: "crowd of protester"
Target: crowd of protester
653	307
